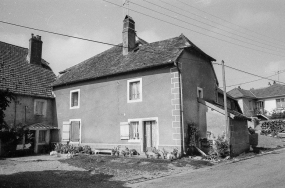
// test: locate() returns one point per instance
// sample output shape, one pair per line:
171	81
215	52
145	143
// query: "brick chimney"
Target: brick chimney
129	35
35	50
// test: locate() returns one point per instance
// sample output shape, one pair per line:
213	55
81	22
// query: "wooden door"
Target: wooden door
149	134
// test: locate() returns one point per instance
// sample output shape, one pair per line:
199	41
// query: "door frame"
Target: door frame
80	129
141	124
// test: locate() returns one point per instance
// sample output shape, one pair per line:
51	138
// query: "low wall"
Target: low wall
239	136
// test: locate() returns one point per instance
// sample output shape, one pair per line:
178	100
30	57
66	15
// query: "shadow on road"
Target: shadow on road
57	178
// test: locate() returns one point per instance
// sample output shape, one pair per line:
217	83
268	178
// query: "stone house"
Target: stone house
260	102
24	73
136	94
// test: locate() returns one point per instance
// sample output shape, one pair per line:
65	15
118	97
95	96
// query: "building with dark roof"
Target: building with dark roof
29	77
137	94
261	101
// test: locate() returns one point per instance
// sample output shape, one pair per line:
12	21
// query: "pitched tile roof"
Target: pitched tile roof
239	93
21	77
41	126
112	61
270	91
266	92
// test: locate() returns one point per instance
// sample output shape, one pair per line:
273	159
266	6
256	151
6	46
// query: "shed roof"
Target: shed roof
41	126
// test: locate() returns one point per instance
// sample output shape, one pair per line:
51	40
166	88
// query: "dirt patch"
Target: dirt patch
134	169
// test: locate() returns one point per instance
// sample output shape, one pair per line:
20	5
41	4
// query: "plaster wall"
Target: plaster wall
103	105
16	112
196	72
269	104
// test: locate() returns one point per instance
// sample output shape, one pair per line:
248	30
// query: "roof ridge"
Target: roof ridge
14	45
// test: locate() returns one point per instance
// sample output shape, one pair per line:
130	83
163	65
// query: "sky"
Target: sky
248	35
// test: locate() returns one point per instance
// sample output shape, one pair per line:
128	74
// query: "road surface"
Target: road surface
261	171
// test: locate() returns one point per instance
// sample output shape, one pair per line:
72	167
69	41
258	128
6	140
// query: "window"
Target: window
40	107
199	92
134	130
71	131
280	103
74	99
250	106
134	90
42	136
130	131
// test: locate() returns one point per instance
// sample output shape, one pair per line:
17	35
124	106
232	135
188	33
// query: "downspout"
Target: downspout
181	107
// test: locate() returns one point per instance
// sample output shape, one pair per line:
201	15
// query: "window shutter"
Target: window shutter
65	131
75	128
124	130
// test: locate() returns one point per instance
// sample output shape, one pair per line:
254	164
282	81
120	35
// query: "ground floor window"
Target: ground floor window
42	136
71	131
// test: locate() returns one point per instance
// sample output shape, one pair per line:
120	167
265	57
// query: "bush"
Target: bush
68	148
221	147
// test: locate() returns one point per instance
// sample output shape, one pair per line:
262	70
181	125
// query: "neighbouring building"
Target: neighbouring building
24	73
136	94
260	102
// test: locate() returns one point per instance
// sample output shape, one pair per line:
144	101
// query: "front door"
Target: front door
150	136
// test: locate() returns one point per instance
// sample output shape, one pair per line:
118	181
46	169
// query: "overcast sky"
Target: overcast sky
254	30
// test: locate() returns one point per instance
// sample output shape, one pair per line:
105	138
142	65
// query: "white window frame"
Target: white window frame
128	90
44	107
70	99
139	130
280	103
202	94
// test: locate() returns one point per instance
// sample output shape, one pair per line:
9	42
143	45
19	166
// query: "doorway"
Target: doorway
150	134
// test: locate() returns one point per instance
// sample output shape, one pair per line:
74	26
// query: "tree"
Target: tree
5	99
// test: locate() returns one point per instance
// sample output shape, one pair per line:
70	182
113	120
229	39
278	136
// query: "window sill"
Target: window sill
74	107
133	101
136	140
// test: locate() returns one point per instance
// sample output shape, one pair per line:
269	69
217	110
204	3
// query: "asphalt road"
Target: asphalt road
261	171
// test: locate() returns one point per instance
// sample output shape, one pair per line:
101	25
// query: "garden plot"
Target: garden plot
134	169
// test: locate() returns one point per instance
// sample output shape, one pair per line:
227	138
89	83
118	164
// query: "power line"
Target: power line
227	21
218	22
252	74
202	27
253	80
197	31
55	33
208	25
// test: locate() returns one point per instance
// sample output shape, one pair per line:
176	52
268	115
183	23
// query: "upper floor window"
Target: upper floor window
40	107
250	105
74	99
280	103
199	92
134	90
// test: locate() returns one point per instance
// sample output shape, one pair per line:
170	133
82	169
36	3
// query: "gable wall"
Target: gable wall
196	72
103	105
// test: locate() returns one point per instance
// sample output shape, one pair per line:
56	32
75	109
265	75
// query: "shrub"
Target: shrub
220	148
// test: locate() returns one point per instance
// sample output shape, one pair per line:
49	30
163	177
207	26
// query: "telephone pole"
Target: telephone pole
225	104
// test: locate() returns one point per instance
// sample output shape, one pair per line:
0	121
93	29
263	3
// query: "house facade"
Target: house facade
136	94
24	73
260	102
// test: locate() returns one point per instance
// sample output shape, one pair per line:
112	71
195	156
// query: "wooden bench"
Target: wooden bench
102	150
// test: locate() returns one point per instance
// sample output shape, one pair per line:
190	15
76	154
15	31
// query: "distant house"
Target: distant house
136	94
24	73
260	102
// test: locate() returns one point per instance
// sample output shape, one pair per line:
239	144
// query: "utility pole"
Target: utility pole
225	104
